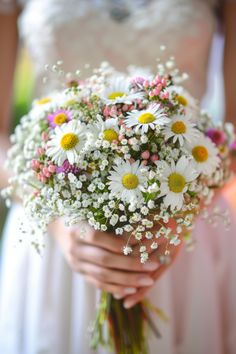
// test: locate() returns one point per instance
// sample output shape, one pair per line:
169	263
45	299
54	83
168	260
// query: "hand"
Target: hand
131	300
99	257
233	165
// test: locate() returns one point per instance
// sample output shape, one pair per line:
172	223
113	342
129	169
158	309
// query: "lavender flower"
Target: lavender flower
59	117
67	168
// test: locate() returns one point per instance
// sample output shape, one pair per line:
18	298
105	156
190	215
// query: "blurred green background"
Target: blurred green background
23	87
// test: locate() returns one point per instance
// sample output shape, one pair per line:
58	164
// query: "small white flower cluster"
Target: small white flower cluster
125	154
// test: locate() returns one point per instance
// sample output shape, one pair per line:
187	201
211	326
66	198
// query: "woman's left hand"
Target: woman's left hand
165	263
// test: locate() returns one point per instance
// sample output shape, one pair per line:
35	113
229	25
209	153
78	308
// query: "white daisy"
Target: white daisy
43	101
108	129
183	97
174	181
41	107
49	104
126	181
205	154
118	91
180	128
147	118
66	143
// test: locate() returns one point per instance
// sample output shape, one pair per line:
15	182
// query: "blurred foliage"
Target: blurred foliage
23	87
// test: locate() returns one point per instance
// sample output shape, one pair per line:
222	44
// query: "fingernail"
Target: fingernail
150	266
130	290
117	296
128	304
145	281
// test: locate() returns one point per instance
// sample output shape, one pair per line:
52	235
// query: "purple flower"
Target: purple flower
138	80
59	117
232	146
68	168
217	136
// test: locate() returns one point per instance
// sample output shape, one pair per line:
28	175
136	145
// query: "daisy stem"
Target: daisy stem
125	330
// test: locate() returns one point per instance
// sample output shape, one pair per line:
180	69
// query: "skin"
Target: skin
97	255
8	45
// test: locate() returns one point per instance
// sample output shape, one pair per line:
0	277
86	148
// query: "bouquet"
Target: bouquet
125	154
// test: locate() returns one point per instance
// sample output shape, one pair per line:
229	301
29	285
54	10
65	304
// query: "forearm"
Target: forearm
229	61
8	52
4	174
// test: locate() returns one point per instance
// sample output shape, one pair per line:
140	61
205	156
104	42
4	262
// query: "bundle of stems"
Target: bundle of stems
121	330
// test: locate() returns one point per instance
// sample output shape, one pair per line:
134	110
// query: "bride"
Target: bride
47	303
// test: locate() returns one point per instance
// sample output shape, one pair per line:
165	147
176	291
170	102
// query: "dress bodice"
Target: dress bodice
122	32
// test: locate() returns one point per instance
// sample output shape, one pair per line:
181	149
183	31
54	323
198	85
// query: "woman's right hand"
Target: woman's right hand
99	257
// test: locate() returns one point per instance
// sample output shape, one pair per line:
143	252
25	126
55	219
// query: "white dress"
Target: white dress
45	308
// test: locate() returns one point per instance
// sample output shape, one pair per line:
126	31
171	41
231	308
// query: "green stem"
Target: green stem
126	328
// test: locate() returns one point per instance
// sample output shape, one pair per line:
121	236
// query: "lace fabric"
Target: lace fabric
121	32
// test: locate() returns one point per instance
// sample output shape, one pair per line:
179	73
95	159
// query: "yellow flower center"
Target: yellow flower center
223	149
182	100
176	182
44	100
114	95
60	118
69	141
92	165
178	127
130	181
146	118
200	153
110	135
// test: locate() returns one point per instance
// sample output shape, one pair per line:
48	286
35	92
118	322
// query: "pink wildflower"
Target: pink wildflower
144	162
40	151
45	136
154	158
145	155
52	168
35	164
217	136
59	117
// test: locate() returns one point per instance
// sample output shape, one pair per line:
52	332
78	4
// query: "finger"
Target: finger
148	243
134	299
108	241
170	250
110	288
104	258
106	275
174	251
